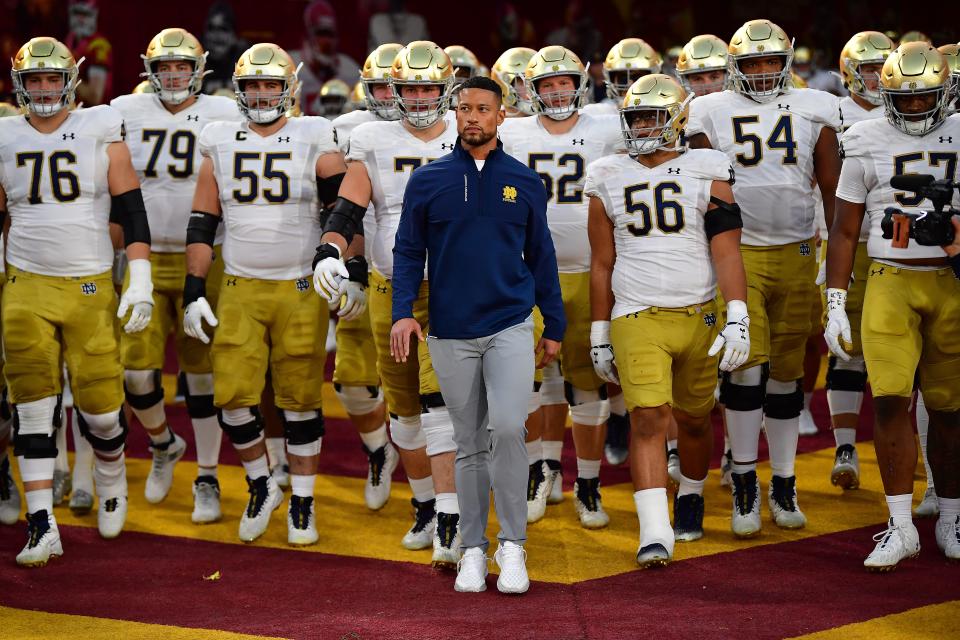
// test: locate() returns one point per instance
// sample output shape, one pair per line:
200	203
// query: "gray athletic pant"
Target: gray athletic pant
486	383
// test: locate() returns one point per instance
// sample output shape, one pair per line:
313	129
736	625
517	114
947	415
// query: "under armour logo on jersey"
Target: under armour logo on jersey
283	138
88	288
947	139
303	285
382	288
675	171
785	107
231	282
577	141
805	249
876	272
73	136
195	118
444	145
709	319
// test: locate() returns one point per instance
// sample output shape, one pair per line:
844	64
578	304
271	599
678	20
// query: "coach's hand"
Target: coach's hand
601	351
838	325
400	338
139	295
193	317
546	352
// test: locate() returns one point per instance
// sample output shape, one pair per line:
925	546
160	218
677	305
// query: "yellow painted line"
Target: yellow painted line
933	621
21	624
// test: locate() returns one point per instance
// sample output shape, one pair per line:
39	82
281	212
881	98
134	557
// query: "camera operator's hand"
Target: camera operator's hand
954	248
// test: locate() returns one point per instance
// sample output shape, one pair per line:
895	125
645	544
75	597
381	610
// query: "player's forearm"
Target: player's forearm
842	247
728	265
138	251
199	259
601	292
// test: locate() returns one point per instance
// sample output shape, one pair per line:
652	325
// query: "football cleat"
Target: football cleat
9	495
688	517
947	533
111	515
726	468
782	500
928	507
43	540
673	468
807	426
81	502
160	479
896	543
746	504
380	466
472	571
446	542
265	498
420	535
617	447
653	555
206	500
281	475
62	485
586	500
538	490
512	560
301	525
555	480
846	468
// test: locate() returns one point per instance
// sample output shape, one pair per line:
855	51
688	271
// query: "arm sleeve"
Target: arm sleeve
409	249
541	259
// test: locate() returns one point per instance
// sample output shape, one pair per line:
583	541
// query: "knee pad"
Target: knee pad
847	376
199	395
535	400
359	401
551	390
784	400
243	426
588	406
743	389
106	432
143	388
33	429
438	431
303	430
407	433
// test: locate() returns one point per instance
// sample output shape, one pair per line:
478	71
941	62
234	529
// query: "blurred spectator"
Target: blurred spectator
578	33
85	41
392	23
809	66
513	30
321	59
223	45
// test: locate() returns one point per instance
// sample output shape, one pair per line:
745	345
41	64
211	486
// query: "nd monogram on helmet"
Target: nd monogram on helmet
550	62
759	39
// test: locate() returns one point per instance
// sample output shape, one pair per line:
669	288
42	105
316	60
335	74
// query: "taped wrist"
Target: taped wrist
202	228
726	217
194	288
358	270
328	188
132	216
346	218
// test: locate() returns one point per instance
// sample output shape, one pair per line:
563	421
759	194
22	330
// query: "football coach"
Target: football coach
477	217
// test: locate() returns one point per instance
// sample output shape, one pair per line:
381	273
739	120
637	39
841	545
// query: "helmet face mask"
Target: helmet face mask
257	68
861	61
418	108
653	114
508	73
915	85
751	56
704	82
914	119
702	65
866	80
43	102
169	49
375	79
39	58
762	86
564	91
419	67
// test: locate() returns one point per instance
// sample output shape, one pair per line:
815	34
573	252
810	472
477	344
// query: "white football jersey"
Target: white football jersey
874	151
390	153
770	146
57	192
663	254
561	160
164	150
605	108
268	193
343	126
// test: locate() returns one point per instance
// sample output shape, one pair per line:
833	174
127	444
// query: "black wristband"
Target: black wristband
325	250
358	270
194	288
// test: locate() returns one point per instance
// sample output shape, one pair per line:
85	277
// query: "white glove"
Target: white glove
329	276
734	338
193	317
139	295
353	302
838	325
602	351
822	273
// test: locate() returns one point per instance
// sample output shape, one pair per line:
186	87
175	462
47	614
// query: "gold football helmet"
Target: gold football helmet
358	98
465	64
952	53
508	72
916	69
144	86
7	110
866	47
265	61
550	62
422	63
796	81
703	54
45	55
296	106
629	59
376	71
668	100
175	44
759	39
915	36
334	95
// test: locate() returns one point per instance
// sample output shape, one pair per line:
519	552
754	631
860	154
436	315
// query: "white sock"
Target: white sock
422	488
617	405
899	507
782	436
302	485
257	468
671	445
447	503
34	469
535	451
375	439
208	436
923	425
39	500
588	469
163	437
744	429
807	396
845	435
949	508
552	449
82	458
110	476
654	517
276	451
688	486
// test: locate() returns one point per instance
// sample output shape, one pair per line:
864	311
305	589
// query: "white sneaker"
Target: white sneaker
726	468
555	480
380	466
301	525
265	498
447	542
43	540
807	426
81	502
928	507
206	500
538	490
111	515
472	571
948	537
589	507
9	495
62	486
420	535
281	474
673	468
846	468
512	560
896	543
782	500
746	504
161	474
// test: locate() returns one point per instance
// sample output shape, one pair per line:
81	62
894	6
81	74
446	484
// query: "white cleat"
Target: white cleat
420	535
782	500
512	560
161	474
281	474
81	502
380	466
265	498
807	426
928	507
896	543
472	571
111	515
726	468
673	468
301	525
746	505
206	500
43	540
589	507
538	490
62	486
948	537
9	495
447	542
846	468
555	482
